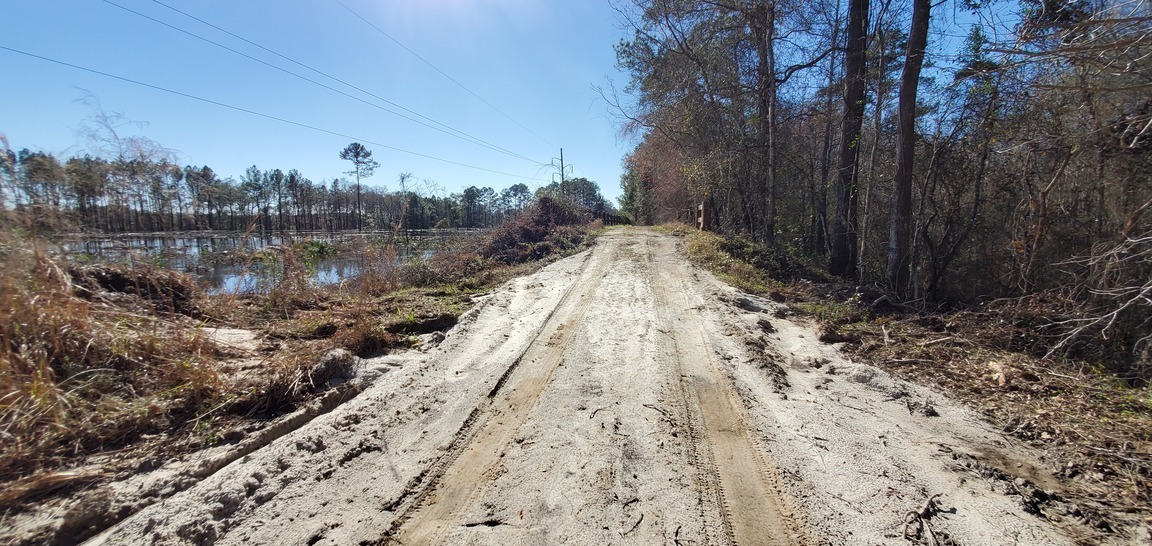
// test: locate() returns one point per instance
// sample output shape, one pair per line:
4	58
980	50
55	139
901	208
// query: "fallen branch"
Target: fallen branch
634	526
662	412
935	341
816	442
1117	455
920	520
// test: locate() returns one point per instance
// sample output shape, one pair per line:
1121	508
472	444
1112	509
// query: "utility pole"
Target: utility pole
563	190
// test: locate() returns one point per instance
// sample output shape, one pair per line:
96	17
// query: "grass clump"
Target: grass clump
780	263
706	250
93	358
749	266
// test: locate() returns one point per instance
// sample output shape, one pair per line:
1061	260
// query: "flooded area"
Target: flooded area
230	263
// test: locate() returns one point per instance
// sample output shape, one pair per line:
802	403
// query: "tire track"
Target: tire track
695	441
445	490
733	472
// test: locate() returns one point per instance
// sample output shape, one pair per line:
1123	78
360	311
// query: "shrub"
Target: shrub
749	266
546	227
778	262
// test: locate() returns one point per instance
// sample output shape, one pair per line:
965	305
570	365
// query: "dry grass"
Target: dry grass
82	371
749	266
95	358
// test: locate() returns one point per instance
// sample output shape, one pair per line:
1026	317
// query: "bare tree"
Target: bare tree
900	232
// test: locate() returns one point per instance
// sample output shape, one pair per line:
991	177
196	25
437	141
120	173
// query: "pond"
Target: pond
223	263
257	277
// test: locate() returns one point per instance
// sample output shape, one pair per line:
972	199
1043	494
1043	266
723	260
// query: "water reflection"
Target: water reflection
221	261
259	277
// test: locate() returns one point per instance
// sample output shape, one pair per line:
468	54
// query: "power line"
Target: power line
334	78
263	115
442	73
465	138
469	139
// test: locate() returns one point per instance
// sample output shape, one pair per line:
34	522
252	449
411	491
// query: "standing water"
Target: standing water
236	264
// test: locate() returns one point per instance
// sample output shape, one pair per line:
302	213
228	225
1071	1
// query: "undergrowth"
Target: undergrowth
549	227
749	266
83	369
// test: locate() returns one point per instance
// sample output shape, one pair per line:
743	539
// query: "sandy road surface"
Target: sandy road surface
617	396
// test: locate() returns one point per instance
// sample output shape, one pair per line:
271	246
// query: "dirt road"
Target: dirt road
619	396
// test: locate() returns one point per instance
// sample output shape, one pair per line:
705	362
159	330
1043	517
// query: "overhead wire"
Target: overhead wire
321	84
442	73
334	78
263	115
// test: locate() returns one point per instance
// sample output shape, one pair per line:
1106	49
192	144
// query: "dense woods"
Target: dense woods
138	192
955	151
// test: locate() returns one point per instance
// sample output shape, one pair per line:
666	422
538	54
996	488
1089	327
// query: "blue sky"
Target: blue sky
534	60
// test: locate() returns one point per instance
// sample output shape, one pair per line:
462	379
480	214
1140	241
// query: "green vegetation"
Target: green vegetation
312	252
836	312
749	266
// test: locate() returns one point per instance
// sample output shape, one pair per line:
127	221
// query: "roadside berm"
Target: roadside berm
623	396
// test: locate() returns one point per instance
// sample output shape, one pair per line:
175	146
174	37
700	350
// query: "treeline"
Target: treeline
933	159
128	195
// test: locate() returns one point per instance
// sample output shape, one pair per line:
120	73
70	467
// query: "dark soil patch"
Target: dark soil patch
436	322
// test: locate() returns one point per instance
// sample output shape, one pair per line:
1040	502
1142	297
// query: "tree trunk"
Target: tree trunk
819	235
900	223
881	48
764	27
844	259
819	229
359	211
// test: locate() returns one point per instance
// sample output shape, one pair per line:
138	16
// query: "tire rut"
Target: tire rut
732	471
445	490
611	399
